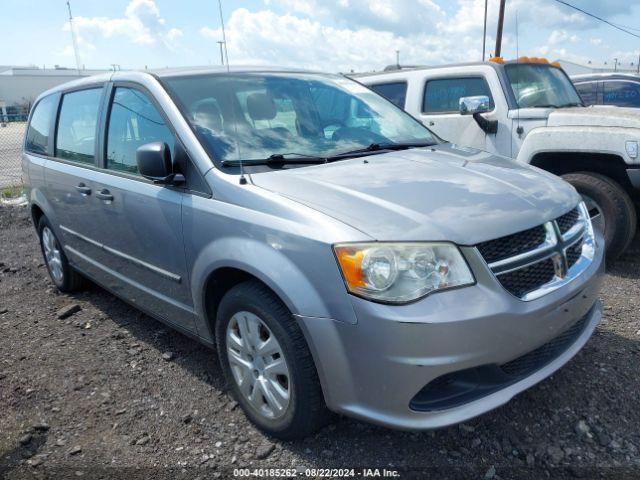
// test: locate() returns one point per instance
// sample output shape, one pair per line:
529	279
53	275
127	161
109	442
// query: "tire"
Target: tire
306	411
620	220
66	279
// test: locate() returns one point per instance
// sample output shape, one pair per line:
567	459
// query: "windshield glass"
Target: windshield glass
254	116
541	86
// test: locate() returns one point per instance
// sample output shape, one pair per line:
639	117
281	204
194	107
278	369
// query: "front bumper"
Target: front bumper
373	370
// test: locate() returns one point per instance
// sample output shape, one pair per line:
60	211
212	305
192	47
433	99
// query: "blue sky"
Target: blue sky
333	35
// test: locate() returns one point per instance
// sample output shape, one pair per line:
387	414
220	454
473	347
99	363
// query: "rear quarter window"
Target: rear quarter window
622	94
395	92
37	139
443	95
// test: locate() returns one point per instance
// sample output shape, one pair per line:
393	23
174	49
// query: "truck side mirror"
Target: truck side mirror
154	162
477	104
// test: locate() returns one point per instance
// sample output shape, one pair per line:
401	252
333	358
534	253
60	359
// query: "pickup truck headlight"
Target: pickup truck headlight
401	272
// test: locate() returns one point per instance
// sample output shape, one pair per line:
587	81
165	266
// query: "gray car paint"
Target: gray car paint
280	226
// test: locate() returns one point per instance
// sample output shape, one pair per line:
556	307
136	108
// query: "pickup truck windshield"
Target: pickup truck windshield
252	117
539	85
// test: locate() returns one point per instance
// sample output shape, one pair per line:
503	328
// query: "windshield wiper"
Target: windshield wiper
564	105
277	160
378	147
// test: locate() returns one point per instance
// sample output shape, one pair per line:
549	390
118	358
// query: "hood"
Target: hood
595	116
443	193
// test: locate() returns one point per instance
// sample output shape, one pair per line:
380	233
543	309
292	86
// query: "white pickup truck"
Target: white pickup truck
530	111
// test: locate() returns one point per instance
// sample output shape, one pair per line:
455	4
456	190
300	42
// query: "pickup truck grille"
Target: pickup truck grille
533	262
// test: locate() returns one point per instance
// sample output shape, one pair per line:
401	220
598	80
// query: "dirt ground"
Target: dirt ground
110	393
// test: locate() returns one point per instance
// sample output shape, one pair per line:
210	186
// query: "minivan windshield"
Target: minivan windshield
257	116
540	85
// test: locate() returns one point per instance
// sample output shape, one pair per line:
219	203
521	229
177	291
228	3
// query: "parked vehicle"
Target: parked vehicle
619	89
331	248
529	110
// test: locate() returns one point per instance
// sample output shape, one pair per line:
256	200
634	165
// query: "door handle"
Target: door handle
83	189
104	194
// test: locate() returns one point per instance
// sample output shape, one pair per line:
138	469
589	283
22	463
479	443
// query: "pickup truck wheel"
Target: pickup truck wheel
65	278
610	207
267	363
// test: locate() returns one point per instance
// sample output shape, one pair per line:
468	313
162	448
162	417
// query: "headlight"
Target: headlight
401	272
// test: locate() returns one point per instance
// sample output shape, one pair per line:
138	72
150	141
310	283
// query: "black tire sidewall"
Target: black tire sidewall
236	301
616	207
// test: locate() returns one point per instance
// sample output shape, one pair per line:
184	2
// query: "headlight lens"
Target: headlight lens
401	272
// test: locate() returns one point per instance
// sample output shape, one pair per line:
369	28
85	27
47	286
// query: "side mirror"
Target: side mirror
154	163
477	104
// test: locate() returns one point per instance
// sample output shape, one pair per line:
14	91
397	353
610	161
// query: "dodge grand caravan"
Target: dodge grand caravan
337	254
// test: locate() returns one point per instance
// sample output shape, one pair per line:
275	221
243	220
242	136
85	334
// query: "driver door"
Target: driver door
440	110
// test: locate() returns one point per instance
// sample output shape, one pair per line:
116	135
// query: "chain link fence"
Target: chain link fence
12	129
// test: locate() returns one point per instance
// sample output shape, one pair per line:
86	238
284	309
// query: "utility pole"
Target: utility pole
615	65
221	43
500	25
398	59
73	39
484	31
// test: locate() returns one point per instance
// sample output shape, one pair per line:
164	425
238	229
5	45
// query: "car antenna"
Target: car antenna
243	180
518	130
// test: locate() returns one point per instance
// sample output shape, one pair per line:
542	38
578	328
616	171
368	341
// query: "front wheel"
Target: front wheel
610	207
267	363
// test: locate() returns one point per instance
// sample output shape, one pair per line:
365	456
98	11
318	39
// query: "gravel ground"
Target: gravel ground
110	393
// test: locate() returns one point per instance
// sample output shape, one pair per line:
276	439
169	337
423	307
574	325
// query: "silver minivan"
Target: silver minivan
337	254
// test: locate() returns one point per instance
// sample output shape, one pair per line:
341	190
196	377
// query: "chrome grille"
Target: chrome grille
539	260
511	245
568	220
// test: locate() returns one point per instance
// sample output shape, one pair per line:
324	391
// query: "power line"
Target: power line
597	18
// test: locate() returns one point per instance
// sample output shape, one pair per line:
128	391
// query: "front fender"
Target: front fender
267	262
584	139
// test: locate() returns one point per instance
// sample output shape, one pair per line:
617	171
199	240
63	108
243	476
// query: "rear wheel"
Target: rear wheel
267	363
65	278
610	207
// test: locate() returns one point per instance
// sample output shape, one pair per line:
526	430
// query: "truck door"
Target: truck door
440	110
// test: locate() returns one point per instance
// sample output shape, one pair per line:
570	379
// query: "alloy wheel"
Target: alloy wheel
52	254
258	365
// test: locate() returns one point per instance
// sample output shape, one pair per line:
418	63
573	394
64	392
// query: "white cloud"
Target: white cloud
142	24
268	38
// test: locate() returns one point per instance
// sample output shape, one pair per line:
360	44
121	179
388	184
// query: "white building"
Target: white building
573	68
20	86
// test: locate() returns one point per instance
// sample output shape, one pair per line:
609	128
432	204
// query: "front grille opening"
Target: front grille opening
527	279
574	252
464	386
511	245
568	220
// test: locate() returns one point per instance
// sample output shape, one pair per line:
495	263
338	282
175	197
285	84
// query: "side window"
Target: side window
622	94
443	95
395	92
37	140
588	92
133	122
76	131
